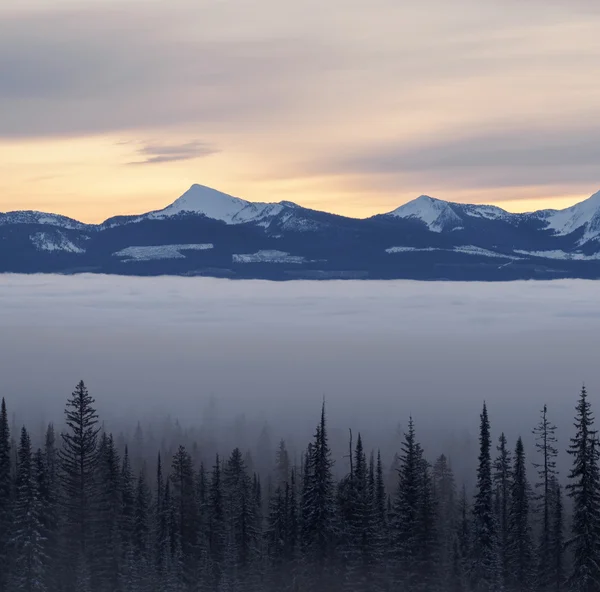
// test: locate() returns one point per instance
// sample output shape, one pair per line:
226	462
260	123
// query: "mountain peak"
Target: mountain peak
437	214
205	201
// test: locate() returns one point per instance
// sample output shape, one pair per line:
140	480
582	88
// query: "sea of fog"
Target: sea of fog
378	351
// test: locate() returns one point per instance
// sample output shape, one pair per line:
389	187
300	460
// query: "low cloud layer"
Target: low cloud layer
378	351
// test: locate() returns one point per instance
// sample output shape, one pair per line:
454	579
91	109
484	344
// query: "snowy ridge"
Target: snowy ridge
268	256
54	241
556	254
438	215
465	250
213	204
33	217
152	253
584	214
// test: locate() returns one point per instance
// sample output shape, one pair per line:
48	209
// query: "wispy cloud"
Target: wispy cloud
161	153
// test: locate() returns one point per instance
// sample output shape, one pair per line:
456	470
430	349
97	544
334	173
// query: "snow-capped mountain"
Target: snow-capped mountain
207	232
204	201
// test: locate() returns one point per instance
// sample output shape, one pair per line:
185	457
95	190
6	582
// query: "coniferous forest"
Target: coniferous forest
77	515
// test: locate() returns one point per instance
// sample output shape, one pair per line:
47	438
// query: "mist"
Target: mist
377	352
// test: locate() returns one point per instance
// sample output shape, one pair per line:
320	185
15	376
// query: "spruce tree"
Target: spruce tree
519	550
217	536
5	496
556	577
545	444
28	538
78	460
445	496
107	566
318	513
406	514
502	494
428	550
484	550
186	510
584	490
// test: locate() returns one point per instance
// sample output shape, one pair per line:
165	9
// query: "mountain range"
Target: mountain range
206	232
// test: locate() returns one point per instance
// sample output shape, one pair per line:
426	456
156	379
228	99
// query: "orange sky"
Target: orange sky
109	109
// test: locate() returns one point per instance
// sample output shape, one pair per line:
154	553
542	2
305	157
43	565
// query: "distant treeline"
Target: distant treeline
76	517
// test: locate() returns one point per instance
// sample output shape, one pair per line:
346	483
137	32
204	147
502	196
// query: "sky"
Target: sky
349	106
377	351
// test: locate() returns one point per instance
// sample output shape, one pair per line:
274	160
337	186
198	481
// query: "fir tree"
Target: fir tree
585	493
519	549
107	565
28	538
502	494
216	528
78	460
318	514
545	444
445	494
186	510
484	550
556	577
5	495
427	552
406	514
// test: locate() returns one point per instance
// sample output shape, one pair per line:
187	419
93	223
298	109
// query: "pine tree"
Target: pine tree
546	447
445	494
141	544
216	528
48	487
405	522
107	566
380	512
78	460
5	495
503	485
186	510
282	465
241	521
519	549
318	513
360	526
484	550
557	543
584	490
28	538
427	553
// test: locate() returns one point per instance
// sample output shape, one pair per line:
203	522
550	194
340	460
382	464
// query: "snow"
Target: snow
268	256
488	212
54	241
465	250
34	217
585	213
472	250
438	215
556	254
151	253
216	205
409	249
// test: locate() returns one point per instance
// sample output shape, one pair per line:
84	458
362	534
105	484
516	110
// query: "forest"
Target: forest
79	514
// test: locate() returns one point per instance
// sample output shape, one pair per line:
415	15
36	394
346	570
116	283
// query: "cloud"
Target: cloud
508	156
160	153
378	351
